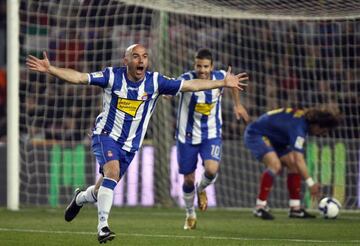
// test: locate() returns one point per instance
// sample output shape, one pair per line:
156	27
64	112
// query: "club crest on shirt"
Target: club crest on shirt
204	108
128	106
97	75
145	96
109	153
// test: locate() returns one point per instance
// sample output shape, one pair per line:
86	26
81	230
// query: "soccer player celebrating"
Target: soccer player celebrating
130	95
199	132
277	139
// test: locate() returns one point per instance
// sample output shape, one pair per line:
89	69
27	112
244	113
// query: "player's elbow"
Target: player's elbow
81	78
188	86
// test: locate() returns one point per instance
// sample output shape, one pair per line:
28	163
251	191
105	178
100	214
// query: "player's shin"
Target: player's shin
294	188
206	180
105	200
188	196
266	183
87	196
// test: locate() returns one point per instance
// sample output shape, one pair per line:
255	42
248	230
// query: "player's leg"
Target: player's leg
207	178
113	163
187	160
210	152
188	196
263	151
294	187
273	167
111	171
80	198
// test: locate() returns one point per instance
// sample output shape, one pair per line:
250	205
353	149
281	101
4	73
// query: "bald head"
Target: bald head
136	60
129	50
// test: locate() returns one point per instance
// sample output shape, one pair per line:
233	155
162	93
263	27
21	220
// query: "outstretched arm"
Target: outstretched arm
239	110
301	165
44	66
231	81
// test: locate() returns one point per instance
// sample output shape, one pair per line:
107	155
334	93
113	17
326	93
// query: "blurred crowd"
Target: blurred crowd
297	63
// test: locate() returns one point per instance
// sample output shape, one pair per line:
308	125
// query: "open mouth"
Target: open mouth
140	69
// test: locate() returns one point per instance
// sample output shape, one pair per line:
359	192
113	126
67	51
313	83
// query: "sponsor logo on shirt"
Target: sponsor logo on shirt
299	143
266	141
97	75
133	88
204	108
128	106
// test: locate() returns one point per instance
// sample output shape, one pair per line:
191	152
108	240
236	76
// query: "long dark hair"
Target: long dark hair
325	116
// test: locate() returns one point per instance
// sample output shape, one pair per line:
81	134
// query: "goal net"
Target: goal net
297	54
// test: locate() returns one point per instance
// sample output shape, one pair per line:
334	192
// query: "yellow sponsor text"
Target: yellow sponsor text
204	108
128	106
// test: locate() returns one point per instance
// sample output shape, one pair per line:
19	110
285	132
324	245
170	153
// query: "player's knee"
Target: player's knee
112	173
275	167
189	180
210	174
211	167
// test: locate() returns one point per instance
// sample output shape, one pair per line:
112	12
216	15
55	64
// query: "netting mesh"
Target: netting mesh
297	62
258	9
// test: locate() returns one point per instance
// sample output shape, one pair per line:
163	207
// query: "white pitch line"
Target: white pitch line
182	236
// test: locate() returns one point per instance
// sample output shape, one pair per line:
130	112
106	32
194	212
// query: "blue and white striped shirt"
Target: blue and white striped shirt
127	105
199	113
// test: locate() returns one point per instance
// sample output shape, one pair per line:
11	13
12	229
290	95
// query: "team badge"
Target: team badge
145	96
109	153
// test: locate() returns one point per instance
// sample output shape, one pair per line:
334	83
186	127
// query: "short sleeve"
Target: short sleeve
169	86
100	78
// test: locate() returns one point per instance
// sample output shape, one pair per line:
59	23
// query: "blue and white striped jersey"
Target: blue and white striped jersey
127	105
199	113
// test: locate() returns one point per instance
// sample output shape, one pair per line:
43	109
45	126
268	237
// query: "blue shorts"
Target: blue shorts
187	154
107	149
260	145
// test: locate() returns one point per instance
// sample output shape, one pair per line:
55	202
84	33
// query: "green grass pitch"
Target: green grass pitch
160	226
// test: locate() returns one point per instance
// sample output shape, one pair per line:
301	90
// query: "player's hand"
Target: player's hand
315	191
236	81
39	65
241	113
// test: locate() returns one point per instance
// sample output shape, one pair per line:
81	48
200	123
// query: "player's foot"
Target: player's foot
105	235
72	209
202	199
263	213
190	223
300	214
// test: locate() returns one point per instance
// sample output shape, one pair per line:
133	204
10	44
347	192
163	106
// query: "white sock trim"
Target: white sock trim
260	203
294	202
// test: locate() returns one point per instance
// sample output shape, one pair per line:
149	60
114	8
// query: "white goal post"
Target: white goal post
297	54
